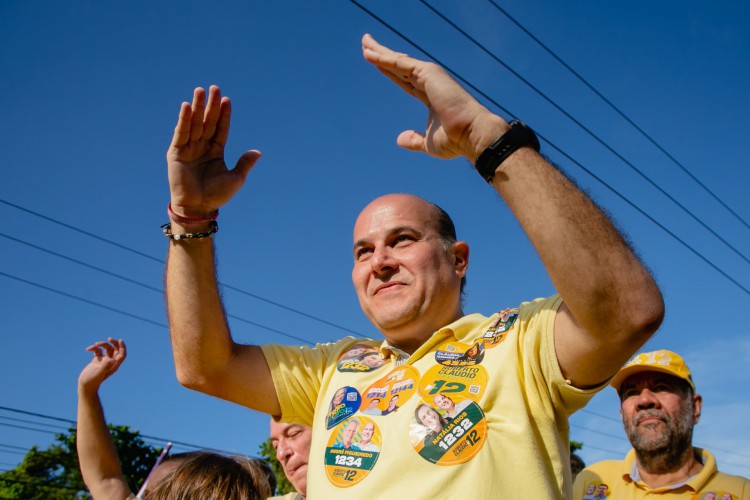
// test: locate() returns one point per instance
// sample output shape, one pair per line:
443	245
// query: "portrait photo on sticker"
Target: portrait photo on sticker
360	358
344	403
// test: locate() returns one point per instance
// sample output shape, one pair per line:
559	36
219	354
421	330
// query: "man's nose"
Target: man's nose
283	451
383	260
646	399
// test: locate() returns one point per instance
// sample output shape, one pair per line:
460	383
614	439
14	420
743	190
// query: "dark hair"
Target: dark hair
447	231
211	476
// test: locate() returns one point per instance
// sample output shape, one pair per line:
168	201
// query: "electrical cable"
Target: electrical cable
621	113
559	150
162	261
589	132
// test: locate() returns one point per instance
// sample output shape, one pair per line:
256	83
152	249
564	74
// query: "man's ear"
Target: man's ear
697	407
461	258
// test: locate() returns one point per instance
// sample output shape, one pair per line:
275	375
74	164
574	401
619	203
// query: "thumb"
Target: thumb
246	162
411	140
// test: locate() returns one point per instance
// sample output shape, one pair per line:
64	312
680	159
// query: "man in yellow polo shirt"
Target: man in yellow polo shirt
659	408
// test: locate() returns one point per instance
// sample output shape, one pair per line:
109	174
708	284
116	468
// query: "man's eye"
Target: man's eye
362	252
402	239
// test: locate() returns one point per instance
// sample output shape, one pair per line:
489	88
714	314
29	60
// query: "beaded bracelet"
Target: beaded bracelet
190	221
167	230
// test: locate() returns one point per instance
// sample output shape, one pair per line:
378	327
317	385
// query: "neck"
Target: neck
668	467
411	339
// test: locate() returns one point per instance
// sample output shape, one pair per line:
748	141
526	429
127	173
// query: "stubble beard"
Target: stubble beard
668	450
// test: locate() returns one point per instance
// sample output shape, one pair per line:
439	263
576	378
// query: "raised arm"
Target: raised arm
97	456
206	357
611	303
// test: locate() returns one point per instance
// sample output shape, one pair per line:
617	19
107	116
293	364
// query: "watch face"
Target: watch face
519	136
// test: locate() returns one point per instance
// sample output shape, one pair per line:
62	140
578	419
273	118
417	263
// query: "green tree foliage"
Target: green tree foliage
266	451
53	474
575	446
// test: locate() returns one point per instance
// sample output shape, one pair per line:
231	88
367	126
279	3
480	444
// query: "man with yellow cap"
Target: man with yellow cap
659	407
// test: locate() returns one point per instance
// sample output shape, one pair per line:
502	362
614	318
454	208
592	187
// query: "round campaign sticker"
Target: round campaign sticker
497	332
352	450
709	495
464	382
344	403
443	440
360	358
459	354
388	394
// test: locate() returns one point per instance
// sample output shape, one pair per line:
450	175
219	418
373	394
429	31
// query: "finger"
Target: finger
212	112
199	105
95	350
412	140
182	129
245	163
384	58
108	348
222	127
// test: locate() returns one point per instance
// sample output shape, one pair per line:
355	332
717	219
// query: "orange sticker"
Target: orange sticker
388	394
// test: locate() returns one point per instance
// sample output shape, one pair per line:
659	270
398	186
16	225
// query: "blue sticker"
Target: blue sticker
344	403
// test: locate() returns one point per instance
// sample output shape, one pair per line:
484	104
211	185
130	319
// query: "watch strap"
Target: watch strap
519	136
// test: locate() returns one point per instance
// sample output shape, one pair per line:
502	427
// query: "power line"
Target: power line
73	422
558	149
620	112
84	300
162	261
588	131
135	316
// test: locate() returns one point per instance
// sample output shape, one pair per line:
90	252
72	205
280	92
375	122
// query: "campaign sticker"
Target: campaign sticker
596	491
497	332
714	495
448	442
458	354
389	393
352	450
360	358
344	403
463	382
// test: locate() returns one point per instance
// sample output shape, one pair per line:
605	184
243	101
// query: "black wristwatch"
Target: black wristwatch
519	136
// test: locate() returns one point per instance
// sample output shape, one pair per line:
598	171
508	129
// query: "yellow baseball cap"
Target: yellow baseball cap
656	361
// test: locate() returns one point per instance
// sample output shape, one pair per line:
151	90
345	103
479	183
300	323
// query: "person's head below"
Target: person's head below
659	407
211	476
576	465
292	445
409	270
430	418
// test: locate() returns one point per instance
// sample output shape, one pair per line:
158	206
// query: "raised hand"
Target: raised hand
108	356
199	179
457	125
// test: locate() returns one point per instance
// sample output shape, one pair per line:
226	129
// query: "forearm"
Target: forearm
201	341
590	263
97	456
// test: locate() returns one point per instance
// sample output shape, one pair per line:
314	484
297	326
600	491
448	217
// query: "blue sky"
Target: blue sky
90	96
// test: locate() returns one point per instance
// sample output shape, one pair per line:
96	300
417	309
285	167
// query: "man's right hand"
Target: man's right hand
199	180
